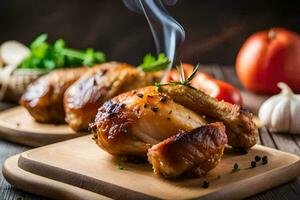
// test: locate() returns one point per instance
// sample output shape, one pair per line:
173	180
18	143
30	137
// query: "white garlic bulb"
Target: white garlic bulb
13	52
281	113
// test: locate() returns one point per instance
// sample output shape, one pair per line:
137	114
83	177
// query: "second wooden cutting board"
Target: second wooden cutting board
18	126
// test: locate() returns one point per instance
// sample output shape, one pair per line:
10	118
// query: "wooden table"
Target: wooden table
284	142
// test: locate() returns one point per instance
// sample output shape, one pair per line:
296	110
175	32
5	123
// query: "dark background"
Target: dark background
215	30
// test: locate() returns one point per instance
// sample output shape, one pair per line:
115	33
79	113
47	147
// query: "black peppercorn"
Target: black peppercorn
257	158
205	184
253	164
140	95
154	109
265	160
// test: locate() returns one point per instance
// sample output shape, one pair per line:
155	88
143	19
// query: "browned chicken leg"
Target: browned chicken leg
195	152
132	122
101	83
240	128
44	98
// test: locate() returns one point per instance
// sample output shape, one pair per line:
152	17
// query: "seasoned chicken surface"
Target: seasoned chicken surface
85	96
44	97
194	152
143	118
131	123
241	130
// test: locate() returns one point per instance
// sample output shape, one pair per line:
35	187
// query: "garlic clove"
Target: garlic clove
266	109
281	113
280	119
295	112
13	52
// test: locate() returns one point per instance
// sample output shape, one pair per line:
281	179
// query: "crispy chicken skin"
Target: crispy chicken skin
85	96
240	128
130	123
195	152
44	98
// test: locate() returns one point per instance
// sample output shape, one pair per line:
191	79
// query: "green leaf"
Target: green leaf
120	166
59	44
49	64
150	63
47	56
39	40
89	57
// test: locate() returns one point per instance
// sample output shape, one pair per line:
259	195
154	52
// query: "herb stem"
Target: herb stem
183	80
72	53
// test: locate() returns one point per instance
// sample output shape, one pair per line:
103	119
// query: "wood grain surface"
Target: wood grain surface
95	170
47	187
18	126
290	190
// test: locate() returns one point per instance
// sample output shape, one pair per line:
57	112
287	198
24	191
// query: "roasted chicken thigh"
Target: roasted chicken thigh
194	153
146	121
85	96
241	130
44	98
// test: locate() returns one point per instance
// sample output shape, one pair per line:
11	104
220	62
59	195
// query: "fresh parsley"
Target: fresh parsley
120	166
235	168
46	56
151	63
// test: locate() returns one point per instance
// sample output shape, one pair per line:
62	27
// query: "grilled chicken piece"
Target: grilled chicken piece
142	118
130	123
195	152
44	97
240	128
101	83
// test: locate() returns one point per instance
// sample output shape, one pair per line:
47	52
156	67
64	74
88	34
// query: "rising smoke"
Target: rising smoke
168	34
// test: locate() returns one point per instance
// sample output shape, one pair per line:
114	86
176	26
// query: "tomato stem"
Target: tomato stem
272	34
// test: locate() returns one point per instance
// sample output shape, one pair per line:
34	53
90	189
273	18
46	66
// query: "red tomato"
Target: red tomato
269	57
206	83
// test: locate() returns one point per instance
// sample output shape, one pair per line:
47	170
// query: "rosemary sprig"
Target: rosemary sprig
150	63
194	72
181	73
183	81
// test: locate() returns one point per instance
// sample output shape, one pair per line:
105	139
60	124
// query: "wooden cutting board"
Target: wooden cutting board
18	126
80	163
43	186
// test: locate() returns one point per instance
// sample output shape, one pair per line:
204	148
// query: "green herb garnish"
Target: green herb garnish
235	168
46	56
150	63
120	166
183	80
